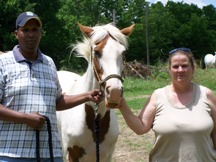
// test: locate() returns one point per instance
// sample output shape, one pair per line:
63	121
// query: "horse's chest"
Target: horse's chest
102	124
87	148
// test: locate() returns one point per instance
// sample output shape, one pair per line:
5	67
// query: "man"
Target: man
30	90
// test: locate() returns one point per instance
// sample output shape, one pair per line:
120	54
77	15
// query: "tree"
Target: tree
10	9
170	26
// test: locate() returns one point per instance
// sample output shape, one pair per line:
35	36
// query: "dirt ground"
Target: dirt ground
131	147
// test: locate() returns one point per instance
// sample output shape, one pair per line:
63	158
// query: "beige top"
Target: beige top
183	133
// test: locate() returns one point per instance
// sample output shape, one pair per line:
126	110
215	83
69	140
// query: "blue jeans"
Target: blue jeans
9	159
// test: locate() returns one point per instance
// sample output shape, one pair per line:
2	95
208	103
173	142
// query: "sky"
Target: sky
199	3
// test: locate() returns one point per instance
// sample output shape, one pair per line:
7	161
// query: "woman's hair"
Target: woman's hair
185	51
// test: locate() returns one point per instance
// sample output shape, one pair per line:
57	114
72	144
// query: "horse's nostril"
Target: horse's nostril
122	91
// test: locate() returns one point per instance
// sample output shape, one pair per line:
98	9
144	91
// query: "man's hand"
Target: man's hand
96	96
35	120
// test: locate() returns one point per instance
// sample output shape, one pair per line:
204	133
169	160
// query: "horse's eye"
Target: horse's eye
97	54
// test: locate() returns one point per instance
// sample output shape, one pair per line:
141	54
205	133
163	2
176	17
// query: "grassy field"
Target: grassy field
131	147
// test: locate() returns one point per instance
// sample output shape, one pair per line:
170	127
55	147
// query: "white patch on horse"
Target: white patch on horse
102	47
67	80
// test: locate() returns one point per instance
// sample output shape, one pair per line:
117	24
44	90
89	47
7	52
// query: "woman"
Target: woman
182	115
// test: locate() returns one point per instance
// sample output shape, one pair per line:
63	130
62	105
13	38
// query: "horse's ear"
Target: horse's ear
127	31
85	30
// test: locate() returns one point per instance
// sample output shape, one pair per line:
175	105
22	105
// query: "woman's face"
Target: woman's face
181	69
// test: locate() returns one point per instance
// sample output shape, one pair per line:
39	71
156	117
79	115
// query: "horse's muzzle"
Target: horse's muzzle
113	96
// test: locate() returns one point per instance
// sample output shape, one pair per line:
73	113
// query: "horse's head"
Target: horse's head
108	45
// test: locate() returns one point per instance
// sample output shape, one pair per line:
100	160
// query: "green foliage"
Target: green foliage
137	103
160	73
170	26
206	77
9	10
137	86
78	66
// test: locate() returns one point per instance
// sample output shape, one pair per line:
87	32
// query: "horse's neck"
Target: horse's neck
86	82
89	80
91	83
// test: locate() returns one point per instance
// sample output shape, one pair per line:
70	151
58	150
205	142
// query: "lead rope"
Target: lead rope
97	132
49	140
96	117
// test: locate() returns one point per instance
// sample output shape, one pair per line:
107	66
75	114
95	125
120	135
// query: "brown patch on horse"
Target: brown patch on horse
100	45
104	123
75	153
98	52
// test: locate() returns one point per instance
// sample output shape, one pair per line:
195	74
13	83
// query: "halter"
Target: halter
100	81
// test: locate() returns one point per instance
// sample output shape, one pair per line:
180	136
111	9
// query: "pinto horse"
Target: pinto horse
103	47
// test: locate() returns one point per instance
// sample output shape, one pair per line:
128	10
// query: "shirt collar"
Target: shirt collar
19	57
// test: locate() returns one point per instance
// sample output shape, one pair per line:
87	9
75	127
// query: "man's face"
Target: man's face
29	36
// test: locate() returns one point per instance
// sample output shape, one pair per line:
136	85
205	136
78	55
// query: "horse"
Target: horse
209	60
67	80
103	47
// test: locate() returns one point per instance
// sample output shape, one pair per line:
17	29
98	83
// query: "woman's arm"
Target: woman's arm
212	98
143	122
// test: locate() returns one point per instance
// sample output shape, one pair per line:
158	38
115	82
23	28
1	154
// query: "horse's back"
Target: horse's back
209	60
1	52
67	80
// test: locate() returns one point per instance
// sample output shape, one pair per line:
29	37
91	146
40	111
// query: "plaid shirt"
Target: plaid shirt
28	87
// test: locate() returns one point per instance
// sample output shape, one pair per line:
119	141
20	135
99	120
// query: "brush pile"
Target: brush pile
137	69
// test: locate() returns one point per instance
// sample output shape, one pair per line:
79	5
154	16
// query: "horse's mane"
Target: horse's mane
83	49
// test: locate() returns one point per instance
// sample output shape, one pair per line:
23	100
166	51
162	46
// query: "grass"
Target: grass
206	78
136	90
135	86
159	78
